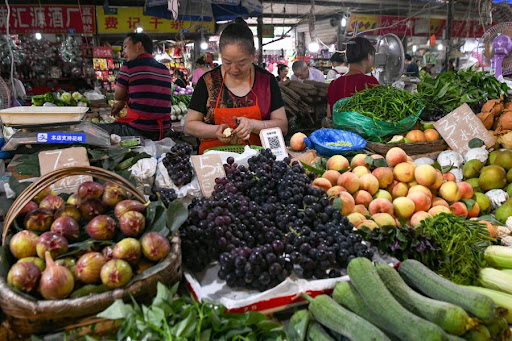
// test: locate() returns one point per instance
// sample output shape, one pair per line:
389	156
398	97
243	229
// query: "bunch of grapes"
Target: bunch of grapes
167	196
265	221
178	165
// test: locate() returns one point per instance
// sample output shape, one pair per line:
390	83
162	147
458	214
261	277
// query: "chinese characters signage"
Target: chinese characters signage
60	138
461	126
128	19
48	19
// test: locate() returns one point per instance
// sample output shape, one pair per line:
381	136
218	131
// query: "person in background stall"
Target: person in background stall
200	70
339	67
360	57
301	72
180	79
18	92
426	70
282	73
411	68
144	87
238	95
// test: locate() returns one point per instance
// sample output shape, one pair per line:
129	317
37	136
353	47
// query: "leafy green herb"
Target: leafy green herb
177	214
182	318
28	164
312	169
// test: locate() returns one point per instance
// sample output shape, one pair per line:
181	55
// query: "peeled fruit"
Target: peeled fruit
384	175
74	200
101	227
116	273
449	191
56	282
337	163
132	223
129	205
404	207
89	208
66	227
418	217
369	183
355	218
155	246
297	142
128	249
347	203
23	244
89	266
472	169
41	265
52	242
404	171
425	175
492	177
44	193
32	205
24	276
68	211
52	202
69	263
431	135
483	201
112	194
90	190
504	159
349	181
395	155
38	220
384	219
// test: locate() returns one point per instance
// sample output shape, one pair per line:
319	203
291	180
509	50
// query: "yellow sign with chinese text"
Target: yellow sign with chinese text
128	19
363	22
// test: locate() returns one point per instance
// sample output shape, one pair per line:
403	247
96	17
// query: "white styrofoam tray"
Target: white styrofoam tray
41	115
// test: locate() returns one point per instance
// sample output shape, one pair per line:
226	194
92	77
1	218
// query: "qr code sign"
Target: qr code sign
273	142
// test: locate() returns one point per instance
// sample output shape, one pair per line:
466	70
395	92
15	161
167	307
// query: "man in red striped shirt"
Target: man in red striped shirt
144	86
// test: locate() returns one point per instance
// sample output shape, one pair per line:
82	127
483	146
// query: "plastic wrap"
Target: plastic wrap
497	197
477	153
450	158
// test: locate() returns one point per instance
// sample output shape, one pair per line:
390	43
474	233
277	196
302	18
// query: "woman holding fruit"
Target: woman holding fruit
237	95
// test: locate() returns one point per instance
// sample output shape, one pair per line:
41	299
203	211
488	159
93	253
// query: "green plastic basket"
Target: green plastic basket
233	148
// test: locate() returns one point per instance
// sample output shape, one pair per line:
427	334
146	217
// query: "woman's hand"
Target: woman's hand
220	134
117	107
245	128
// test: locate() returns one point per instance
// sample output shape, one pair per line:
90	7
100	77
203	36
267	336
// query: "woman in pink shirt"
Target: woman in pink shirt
200	70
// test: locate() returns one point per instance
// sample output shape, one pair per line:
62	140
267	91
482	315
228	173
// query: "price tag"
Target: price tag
208	168
272	138
461	126
51	160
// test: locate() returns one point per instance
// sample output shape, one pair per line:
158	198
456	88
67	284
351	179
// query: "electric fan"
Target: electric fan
495	47
389	58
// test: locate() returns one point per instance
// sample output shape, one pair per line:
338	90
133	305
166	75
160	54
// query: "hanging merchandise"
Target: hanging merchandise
231	9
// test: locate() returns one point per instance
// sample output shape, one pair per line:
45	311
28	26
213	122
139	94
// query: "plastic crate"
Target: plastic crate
233	148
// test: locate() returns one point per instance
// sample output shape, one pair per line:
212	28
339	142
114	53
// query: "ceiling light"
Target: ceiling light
139	29
204	45
440	47
38	36
343	22
313	47
414	48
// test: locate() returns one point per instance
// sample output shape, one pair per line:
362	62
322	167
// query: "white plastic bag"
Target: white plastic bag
498	197
450	158
240	159
163	181
457	173
143	171
477	153
424	161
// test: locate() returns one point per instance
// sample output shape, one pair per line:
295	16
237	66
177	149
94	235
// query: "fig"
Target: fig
52	242
35	260
69	263
101	227
66	227
44	193
132	223
24	276
116	273
74	200
112	194
89	266
32	205
129	205
52	203
56	280
155	246
89	208
23	244
127	249
90	190
38	220
68	211
107	252
143	265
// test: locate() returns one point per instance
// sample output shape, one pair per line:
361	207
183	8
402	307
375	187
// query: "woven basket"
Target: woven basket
409	148
31	316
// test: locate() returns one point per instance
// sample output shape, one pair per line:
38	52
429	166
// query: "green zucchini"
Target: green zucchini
345	294
402	322
333	316
419	276
480	333
296	329
453	319
317	333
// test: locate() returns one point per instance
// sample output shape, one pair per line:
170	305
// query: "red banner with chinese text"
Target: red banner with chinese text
48	19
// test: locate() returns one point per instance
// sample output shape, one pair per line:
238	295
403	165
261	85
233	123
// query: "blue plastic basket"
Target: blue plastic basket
320	139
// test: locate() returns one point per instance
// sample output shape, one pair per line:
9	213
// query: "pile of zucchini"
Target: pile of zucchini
380	304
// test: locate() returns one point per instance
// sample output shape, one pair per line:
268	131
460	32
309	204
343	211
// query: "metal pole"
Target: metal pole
449	22
260	40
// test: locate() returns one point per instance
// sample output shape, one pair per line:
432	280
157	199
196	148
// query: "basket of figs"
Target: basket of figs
66	257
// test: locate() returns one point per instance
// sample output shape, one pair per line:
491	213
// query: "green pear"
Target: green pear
472	169
474	183
492	156
492	177
483	201
503	212
504	159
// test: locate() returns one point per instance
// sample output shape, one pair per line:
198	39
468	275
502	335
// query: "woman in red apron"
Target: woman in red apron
237	94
